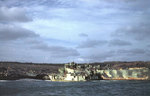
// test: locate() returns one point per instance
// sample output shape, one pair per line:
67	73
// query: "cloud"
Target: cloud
118	42
13	14
12	32
132	51
99	56
126	4
56	51
83	35
138	4
133	54
67	22
50	3
148	45
138	32
92	43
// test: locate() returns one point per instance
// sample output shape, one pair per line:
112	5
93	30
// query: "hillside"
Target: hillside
16	70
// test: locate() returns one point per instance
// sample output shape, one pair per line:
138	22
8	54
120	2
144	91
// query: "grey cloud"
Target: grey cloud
118	42
132	4
128	4
30	48
138	4
92	43
13	14
56	51
99	56
11	32
83	35
138	32
119	55
50	3
132	51
148	45
133	54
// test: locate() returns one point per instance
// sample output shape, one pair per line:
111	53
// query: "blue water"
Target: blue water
29	87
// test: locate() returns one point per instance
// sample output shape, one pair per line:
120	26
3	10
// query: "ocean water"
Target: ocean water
29	87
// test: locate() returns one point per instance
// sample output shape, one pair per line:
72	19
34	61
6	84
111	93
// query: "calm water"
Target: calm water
92	88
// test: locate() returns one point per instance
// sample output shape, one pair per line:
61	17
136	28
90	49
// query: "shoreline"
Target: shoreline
16	70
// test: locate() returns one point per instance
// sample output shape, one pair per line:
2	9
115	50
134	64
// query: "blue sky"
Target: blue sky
59	31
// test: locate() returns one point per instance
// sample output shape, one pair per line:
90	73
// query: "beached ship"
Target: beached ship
85	72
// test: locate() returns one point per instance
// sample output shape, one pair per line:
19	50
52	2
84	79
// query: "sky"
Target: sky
83	31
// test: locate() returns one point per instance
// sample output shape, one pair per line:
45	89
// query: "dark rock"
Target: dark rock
42	76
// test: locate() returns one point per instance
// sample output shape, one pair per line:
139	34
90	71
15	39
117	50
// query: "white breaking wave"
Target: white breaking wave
4	80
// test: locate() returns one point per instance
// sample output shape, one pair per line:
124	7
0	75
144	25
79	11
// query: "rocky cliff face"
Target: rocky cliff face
15	70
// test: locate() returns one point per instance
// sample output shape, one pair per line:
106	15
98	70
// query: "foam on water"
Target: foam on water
4	80
28	80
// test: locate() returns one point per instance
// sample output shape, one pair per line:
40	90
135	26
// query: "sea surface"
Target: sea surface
29	87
